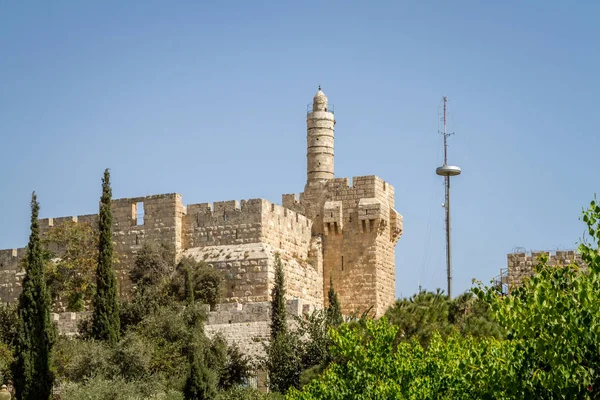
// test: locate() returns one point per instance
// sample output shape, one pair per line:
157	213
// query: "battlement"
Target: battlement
10	254
244	221
521	264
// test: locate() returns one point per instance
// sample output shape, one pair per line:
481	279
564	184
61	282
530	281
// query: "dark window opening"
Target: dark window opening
342	263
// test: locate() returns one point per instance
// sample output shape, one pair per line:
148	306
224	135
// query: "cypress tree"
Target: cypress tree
33	370
105	320
200	383
334	310
278	309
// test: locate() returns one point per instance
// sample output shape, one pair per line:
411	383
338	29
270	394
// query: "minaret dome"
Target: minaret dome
319	139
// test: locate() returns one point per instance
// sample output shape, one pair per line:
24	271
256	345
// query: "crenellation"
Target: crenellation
522	265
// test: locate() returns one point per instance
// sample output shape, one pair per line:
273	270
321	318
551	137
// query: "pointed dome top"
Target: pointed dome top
320	101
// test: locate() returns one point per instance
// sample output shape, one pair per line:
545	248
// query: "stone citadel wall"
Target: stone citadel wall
334	230
220	234
521	265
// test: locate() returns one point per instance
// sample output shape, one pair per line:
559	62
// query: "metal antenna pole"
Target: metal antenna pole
447	179
447	171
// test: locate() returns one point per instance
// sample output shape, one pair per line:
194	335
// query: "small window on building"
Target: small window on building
139	213
342	263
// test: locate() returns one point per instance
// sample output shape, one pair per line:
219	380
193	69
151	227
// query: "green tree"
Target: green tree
72	259
420	316
284	363
33	370
196	276
334	310
278	305
105	319
200	383
370	366
426	313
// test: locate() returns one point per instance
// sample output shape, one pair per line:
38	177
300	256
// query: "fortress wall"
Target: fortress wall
11	275
160	222
286	230
247	325
249	272
521	265
247	221
223	223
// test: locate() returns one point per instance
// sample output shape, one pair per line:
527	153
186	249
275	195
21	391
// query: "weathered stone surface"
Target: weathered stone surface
521	265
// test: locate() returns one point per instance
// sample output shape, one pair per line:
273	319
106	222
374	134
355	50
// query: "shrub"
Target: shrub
77	360
117	389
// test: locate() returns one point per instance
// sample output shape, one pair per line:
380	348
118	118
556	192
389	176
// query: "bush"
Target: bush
117	389
246	393
77	360
206	282
132	357
153	265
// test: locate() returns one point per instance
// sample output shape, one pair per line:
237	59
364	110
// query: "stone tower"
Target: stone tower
357	223
319	138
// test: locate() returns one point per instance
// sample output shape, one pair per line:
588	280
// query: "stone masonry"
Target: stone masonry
521	265
339	229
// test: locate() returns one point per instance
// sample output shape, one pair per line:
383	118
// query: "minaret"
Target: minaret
319	138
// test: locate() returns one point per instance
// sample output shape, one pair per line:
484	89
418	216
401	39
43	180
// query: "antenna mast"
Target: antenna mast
447	171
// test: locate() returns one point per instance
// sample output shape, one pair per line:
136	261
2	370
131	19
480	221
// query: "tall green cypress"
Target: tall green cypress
200	383
105	320
334	310
33	372
278	308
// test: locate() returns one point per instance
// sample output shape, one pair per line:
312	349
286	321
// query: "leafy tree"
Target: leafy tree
371	366
236	368
153	266
421	316
197	276
72	260
105	319
33	372
425	313
555	316
334	310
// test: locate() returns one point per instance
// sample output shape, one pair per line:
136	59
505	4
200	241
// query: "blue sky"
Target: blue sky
208	99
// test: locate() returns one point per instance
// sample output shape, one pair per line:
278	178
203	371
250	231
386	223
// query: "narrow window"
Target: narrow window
137	239
236	234
342	263
139	213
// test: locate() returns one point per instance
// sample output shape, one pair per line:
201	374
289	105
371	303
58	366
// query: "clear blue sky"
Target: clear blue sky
208	99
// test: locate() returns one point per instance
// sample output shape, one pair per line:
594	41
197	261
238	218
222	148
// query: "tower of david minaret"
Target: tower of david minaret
355	220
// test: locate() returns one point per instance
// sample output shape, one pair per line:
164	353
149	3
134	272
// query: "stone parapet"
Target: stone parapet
522	265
